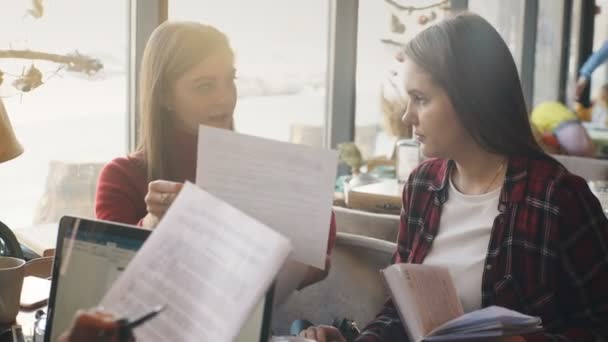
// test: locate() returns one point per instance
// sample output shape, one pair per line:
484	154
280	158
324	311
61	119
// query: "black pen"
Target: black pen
126	326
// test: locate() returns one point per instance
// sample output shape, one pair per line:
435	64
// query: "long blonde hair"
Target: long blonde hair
172	50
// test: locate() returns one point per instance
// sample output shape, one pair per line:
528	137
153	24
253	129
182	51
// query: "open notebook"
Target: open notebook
430	310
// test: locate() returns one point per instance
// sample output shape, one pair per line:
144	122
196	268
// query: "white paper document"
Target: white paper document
286	186
201	264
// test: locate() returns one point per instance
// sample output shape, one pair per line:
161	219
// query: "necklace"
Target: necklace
494	179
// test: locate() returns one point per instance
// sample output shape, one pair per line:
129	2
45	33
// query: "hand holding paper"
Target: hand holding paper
288	187
202	263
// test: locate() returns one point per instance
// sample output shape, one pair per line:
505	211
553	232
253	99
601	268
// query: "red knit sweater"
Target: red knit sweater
123	183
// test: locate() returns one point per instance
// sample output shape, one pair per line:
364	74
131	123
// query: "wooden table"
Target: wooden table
42	240
382	197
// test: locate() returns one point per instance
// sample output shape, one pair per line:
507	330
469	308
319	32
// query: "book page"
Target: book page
286	186
204	265
431	295
492	321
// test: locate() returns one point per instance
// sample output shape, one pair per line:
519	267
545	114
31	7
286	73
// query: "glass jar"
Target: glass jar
600	189
408	157
39	327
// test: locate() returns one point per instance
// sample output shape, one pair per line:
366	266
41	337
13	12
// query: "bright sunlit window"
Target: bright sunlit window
68	119
383	29
508	19
281	61
548	51
600	76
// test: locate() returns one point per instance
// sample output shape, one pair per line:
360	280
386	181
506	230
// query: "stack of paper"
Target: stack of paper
204	266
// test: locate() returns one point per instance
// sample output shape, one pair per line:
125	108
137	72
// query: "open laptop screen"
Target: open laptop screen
89	256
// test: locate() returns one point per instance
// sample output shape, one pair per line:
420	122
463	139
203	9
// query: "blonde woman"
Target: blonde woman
187	80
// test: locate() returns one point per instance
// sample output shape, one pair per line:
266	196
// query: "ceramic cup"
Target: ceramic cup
12	271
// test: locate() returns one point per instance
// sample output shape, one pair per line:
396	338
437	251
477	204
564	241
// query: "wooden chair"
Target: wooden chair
353	289
40	267
358	222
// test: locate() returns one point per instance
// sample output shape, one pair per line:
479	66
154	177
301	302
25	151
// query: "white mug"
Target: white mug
12	271
409	156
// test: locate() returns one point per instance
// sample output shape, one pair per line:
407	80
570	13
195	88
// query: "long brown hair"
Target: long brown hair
173	49
467	57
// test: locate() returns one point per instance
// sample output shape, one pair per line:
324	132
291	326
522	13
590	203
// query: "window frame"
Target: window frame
144	17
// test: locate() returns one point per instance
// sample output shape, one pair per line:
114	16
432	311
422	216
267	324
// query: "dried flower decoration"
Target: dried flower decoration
396	25
37	10
29	80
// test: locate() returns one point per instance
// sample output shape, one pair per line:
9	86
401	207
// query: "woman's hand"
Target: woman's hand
580	86
92	326
315	275
160	196
323	333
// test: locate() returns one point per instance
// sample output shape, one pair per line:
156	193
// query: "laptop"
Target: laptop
89	257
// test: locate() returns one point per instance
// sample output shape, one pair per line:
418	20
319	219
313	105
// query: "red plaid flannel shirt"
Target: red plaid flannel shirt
548	252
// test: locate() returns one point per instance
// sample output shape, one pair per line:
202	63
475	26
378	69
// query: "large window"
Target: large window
574	47
383	28
508	19
548	50
600	35
72	117
281	61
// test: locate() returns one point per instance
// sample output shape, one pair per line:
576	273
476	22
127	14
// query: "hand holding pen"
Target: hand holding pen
102	326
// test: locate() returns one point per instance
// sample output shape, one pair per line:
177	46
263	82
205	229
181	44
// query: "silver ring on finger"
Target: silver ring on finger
164	198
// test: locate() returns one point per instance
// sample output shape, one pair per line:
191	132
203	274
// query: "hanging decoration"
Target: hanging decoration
32	77
401	17
29	80
37	10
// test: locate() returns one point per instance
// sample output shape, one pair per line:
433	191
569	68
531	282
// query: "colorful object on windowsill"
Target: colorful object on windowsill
384	171
351	155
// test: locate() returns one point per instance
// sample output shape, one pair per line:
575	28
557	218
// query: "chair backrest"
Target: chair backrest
70	190
379	226
39	267
353	289
9	246
588	168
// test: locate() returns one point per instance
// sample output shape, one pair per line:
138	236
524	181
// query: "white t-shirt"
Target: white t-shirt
462	242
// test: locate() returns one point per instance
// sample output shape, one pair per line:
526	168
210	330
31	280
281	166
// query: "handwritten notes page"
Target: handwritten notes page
425	297
288	187
430	309
202	264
